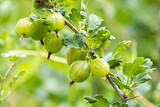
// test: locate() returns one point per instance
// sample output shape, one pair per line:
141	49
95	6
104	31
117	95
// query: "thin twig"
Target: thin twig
5	76
93	53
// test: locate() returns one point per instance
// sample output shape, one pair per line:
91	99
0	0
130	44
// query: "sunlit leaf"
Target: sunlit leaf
135	68
120	49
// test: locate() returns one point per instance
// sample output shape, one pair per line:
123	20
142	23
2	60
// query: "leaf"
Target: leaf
135	68
93	22
120	84
90	100
125	105
102	102
120	49
41	9
148	62
76	42
34	17
75	17
84	33
64	3
117	104
114	62
60	10
143	77
79	40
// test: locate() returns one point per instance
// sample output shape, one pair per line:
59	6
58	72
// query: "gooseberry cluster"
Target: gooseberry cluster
80	66
37	30
80	69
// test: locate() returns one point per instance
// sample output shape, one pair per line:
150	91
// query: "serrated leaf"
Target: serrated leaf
148	62
114	62
120	84
90	100
41	9
141	78
76	42
79	40
135	68
120	49
60	10
102	102
93	22
69	42
116	104
34	17
75	17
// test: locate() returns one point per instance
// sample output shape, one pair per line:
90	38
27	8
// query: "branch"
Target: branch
117	89
93	53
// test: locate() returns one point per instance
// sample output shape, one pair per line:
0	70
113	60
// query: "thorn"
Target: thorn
49	54
56	33
42	42
22	36
71	83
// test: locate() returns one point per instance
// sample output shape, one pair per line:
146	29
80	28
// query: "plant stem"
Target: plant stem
93	53
5	76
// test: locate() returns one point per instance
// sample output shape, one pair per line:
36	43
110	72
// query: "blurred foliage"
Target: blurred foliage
45	83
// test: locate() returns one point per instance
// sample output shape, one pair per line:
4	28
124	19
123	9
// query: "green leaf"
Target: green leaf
148	62
93	22
102	102
64	3
76	42
41	9
84	33
125	105
75	17
143	77
90	100
116	104
120	49
60	10
34	17
120	84
115	62
79	40
135	68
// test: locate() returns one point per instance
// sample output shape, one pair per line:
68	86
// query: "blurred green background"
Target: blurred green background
45	83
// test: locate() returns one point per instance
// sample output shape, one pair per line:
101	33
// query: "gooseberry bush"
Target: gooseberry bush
85	49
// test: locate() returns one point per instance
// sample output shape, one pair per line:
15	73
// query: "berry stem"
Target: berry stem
57	33
42	42
49	54
22	36
71	83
